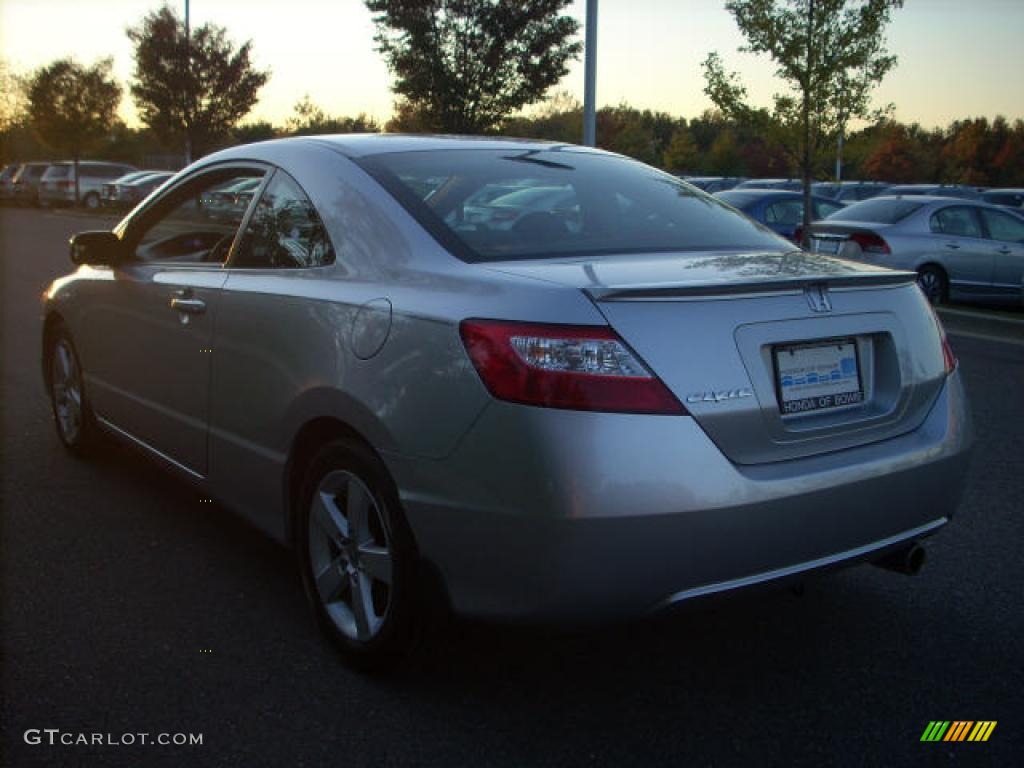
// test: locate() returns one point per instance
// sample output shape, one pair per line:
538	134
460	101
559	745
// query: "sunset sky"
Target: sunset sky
957	59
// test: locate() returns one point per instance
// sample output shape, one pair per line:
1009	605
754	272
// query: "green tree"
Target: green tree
191	89
309	119
72	107
462	66
830	54
261	130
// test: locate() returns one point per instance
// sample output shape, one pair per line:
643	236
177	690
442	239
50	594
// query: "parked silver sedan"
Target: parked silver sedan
960	249
563	420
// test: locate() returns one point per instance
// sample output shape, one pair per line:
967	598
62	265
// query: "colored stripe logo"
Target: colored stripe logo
958	730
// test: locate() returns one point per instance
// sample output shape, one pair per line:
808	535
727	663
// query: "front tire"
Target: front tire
934	284
72	412
357	557
91	201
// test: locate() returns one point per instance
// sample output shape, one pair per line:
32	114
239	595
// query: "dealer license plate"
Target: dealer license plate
818	376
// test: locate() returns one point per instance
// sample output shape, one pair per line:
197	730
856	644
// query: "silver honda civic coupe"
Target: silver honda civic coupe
632	397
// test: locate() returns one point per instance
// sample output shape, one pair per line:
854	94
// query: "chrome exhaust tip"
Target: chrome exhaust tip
908	560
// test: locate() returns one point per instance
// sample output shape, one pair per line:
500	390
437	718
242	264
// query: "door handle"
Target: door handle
188	306
954	246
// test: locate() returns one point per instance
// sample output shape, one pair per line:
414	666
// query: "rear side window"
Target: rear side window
880	210
1003	226
823	208
57	171
562	203
957	220
284	231
785	212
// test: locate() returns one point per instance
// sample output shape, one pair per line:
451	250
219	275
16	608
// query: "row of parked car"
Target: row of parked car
100	184
847	192
964	243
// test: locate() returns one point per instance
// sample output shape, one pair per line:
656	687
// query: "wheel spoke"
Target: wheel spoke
330	581
329	517
376	561
357	507
362	605
64	358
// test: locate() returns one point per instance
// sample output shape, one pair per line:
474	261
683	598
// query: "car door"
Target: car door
150	337
1006	232
959	244
276	336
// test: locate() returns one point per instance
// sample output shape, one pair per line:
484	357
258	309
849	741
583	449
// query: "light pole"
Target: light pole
188	96
590	76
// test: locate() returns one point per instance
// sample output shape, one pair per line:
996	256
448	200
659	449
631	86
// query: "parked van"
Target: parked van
58	183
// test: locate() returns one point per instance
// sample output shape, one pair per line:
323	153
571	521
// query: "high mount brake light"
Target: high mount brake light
577	367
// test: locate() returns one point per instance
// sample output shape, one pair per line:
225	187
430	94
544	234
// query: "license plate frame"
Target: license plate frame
816	376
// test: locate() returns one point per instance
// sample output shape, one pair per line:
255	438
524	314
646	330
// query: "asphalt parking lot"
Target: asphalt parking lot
130	607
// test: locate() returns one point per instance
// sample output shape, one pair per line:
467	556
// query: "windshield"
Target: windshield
878	209
558	202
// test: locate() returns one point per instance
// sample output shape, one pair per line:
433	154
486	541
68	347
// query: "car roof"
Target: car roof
760	193
928	200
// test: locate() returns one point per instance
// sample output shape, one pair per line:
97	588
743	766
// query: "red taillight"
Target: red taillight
579	367
869	242
798	234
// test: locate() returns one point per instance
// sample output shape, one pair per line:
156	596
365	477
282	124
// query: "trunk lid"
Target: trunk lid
730	333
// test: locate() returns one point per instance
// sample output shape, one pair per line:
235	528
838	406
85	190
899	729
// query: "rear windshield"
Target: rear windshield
876	209
491	205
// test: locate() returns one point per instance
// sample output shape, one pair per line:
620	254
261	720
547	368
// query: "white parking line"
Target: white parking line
986	337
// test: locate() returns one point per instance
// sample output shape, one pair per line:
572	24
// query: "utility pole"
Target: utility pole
188	97
839	158
590	77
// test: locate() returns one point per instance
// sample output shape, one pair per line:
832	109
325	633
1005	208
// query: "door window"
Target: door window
1003	226
786	213
197	222
959	221
285	231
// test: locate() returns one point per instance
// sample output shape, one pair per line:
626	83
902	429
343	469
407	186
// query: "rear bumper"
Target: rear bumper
560	515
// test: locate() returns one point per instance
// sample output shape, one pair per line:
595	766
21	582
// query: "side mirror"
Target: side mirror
97	248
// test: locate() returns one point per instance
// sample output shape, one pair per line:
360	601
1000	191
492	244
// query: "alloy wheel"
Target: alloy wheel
350	555
931	285
66	383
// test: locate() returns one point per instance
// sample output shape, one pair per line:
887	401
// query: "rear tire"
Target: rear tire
91	201
357	557
72	413
934	284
